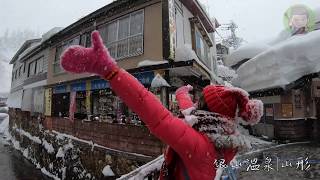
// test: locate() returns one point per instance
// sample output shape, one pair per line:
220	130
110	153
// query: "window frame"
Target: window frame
116	42
63	46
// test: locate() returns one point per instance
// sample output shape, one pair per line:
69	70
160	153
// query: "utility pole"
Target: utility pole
231	40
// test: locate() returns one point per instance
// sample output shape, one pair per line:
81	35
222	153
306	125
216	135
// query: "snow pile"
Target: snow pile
4	126
60	153
107	171
185	53
28	135
150	63
51	32
143	171
3	116
47	146
247	51
281	64
4	109
158	81
226	73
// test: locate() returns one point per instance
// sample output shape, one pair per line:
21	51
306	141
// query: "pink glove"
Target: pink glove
96	59
183	98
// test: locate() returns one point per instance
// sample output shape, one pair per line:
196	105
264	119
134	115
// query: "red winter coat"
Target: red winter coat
195	149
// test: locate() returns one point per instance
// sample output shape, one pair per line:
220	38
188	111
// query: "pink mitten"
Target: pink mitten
96	59
183	98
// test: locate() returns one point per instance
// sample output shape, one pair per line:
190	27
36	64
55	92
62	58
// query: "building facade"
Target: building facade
172	38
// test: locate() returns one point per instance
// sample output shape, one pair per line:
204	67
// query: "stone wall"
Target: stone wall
81	149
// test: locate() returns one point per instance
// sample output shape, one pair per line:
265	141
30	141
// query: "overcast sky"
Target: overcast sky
257	19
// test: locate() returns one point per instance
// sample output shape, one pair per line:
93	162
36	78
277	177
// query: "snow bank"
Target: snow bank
107	171
4	109
4	125
28	135
226	72
281	64
158	81
44	171
3	115
150	63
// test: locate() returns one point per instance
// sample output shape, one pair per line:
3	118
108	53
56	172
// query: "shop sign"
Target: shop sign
99	84
48	98
81	86
60	89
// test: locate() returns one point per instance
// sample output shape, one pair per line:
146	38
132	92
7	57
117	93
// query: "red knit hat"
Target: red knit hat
225	101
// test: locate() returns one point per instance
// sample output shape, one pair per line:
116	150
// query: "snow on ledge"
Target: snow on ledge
150	63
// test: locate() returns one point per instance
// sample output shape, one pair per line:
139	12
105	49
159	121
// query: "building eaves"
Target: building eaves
88	19
24	46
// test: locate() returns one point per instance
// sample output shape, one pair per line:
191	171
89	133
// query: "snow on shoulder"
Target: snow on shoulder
281	64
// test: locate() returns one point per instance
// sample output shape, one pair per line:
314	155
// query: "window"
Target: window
59	50
39	67
35	67
202	48
124	37
32	68
85	39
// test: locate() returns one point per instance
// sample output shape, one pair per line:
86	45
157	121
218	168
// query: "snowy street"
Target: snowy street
14	166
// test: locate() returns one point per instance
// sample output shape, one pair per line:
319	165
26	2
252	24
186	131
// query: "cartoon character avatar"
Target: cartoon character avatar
299	19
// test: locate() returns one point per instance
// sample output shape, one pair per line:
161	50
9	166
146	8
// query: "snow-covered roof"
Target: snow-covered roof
281	64
247	51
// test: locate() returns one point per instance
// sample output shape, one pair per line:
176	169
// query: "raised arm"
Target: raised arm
159	120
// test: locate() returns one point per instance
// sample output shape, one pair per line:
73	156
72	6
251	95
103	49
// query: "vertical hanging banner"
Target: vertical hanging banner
88	97
48	99
172	28
72	108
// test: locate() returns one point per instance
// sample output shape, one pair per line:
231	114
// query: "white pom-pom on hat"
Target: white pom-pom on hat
252	112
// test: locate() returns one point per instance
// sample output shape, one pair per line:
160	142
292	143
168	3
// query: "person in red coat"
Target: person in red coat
196	152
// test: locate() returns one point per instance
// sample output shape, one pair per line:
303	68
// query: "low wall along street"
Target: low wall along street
82	150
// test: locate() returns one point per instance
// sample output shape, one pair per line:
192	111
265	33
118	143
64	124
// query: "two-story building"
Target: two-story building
172	38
